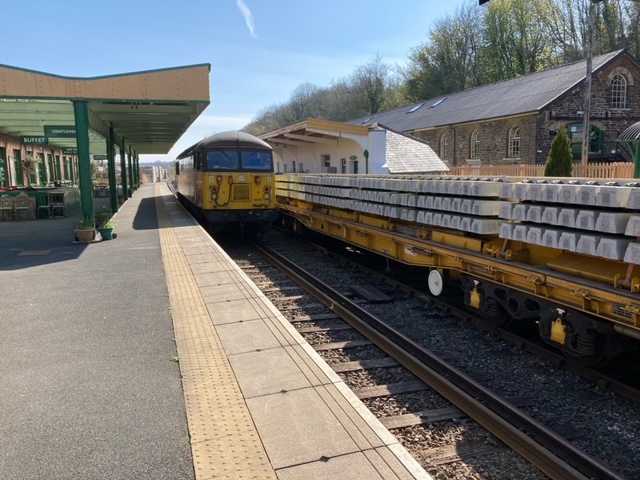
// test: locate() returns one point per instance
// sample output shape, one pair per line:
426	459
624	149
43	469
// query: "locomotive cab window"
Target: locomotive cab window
257	160
222	160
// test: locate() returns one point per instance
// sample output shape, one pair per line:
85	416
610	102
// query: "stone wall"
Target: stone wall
538	131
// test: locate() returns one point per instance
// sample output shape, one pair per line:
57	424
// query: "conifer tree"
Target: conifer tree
560	160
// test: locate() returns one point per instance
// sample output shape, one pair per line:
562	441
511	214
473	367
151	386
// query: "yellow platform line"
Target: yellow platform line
224	440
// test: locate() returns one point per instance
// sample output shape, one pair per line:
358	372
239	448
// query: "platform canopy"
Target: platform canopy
148	110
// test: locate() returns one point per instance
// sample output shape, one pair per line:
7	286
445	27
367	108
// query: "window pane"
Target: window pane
618	92
514	142
257	160
475	145
222	160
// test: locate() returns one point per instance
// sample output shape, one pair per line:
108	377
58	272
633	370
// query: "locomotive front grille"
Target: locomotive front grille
242	192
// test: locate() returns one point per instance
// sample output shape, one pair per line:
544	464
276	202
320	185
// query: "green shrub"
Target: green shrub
560	160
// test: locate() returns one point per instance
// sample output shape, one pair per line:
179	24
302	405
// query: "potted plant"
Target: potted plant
106	230
85	230
102	218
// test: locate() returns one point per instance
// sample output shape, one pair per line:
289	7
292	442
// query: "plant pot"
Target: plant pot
106	233
85	236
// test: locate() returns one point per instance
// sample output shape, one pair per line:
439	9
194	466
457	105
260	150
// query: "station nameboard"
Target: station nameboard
60	131
100	157
34	140
69	151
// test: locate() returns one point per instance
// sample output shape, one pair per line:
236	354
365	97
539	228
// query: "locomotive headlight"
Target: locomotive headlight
241	178
267	196
257	179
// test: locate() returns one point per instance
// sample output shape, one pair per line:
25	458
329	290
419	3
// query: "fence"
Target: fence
620	170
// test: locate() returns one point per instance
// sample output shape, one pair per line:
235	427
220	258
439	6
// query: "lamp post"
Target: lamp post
586	133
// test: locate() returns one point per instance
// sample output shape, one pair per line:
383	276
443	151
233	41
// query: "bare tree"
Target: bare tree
368	85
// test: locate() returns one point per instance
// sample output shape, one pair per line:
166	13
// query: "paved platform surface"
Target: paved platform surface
154	356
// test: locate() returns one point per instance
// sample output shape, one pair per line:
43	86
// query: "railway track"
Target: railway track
404	383
607	379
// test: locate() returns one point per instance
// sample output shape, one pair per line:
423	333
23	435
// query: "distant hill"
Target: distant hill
157	164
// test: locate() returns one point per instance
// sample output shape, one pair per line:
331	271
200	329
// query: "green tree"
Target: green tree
448	62
516	38
560	160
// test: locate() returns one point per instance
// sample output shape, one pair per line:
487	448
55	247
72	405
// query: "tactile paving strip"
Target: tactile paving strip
224	440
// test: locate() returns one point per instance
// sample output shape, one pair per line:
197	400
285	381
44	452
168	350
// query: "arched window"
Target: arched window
514	142
618	92
444	147
475	145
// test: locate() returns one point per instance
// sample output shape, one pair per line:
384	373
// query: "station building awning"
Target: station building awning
148	110
141	112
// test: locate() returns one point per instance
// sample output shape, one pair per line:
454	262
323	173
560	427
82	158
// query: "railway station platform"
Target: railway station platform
152	356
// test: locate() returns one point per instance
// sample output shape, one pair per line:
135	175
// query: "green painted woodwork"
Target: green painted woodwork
4	171
634	149
81	113
42	170
17	155
111	162
57	168
130	174
60	131
123	169
34	140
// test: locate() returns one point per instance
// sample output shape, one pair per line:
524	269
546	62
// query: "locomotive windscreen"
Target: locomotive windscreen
252	160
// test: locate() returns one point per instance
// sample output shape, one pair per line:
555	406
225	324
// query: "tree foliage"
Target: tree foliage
371	88
474	46
560	160
448	61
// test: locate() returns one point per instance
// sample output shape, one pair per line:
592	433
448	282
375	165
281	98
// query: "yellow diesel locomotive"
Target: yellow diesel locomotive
227	181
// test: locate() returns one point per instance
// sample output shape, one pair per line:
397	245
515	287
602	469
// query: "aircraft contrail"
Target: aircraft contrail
248	18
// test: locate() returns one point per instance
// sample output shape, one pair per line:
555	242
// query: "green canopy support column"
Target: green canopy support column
130	172
81	113
111	160
635	153
134	167
123	170
137	170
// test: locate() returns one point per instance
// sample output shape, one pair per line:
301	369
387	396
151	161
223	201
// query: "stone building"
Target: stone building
515	121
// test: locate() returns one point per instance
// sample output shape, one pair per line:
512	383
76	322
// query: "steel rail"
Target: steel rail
457	387
604	382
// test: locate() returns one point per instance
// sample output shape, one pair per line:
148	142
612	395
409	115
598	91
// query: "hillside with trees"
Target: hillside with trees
473	46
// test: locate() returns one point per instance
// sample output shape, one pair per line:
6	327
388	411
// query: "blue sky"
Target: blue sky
259	50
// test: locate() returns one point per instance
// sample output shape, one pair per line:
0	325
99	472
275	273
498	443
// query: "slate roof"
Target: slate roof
405	155
526	94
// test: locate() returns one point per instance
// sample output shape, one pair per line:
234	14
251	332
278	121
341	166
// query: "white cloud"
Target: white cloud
248	18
